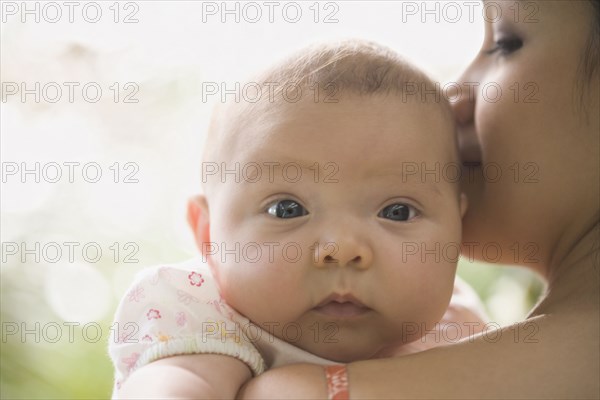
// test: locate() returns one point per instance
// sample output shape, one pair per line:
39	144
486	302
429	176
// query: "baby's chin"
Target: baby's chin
402	349
344	353
345	350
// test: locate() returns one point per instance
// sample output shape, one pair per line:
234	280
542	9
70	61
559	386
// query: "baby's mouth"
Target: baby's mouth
341	306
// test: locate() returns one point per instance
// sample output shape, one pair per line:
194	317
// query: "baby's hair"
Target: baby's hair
335	70
352	66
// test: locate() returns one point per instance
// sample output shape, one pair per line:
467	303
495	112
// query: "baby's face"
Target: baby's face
342	245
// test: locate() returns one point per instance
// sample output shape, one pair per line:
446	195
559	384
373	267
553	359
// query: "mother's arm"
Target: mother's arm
544	357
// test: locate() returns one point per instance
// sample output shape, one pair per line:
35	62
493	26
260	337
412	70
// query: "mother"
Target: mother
544	131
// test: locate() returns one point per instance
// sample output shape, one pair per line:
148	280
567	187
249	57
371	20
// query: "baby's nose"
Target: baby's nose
347	252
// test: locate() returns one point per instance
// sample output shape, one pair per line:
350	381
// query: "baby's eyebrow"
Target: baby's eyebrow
284	161
276	169
290	163
402	176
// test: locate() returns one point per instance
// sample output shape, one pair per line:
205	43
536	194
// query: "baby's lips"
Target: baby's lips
341	306
341	310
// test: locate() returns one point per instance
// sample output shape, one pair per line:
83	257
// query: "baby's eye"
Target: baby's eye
398	212
287	209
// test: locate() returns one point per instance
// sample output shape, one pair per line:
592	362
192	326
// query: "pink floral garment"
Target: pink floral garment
174	310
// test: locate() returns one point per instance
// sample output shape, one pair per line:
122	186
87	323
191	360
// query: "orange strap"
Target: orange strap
337	382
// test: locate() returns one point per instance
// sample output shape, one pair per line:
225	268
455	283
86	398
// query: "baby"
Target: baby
322	235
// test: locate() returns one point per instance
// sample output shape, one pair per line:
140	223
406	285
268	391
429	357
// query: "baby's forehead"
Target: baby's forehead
373	121
378	136
349	106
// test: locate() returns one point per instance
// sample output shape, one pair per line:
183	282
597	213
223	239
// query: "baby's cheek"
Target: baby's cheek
256	291
420	291
234	284
437	290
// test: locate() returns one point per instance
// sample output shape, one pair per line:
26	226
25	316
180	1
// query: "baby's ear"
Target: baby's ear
197	216
464	204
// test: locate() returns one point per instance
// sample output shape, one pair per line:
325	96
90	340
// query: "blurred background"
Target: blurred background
116	124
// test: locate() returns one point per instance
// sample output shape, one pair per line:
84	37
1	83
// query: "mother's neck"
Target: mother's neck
574	277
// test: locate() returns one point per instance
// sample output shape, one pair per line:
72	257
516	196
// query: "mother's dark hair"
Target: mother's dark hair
588	66
589	62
